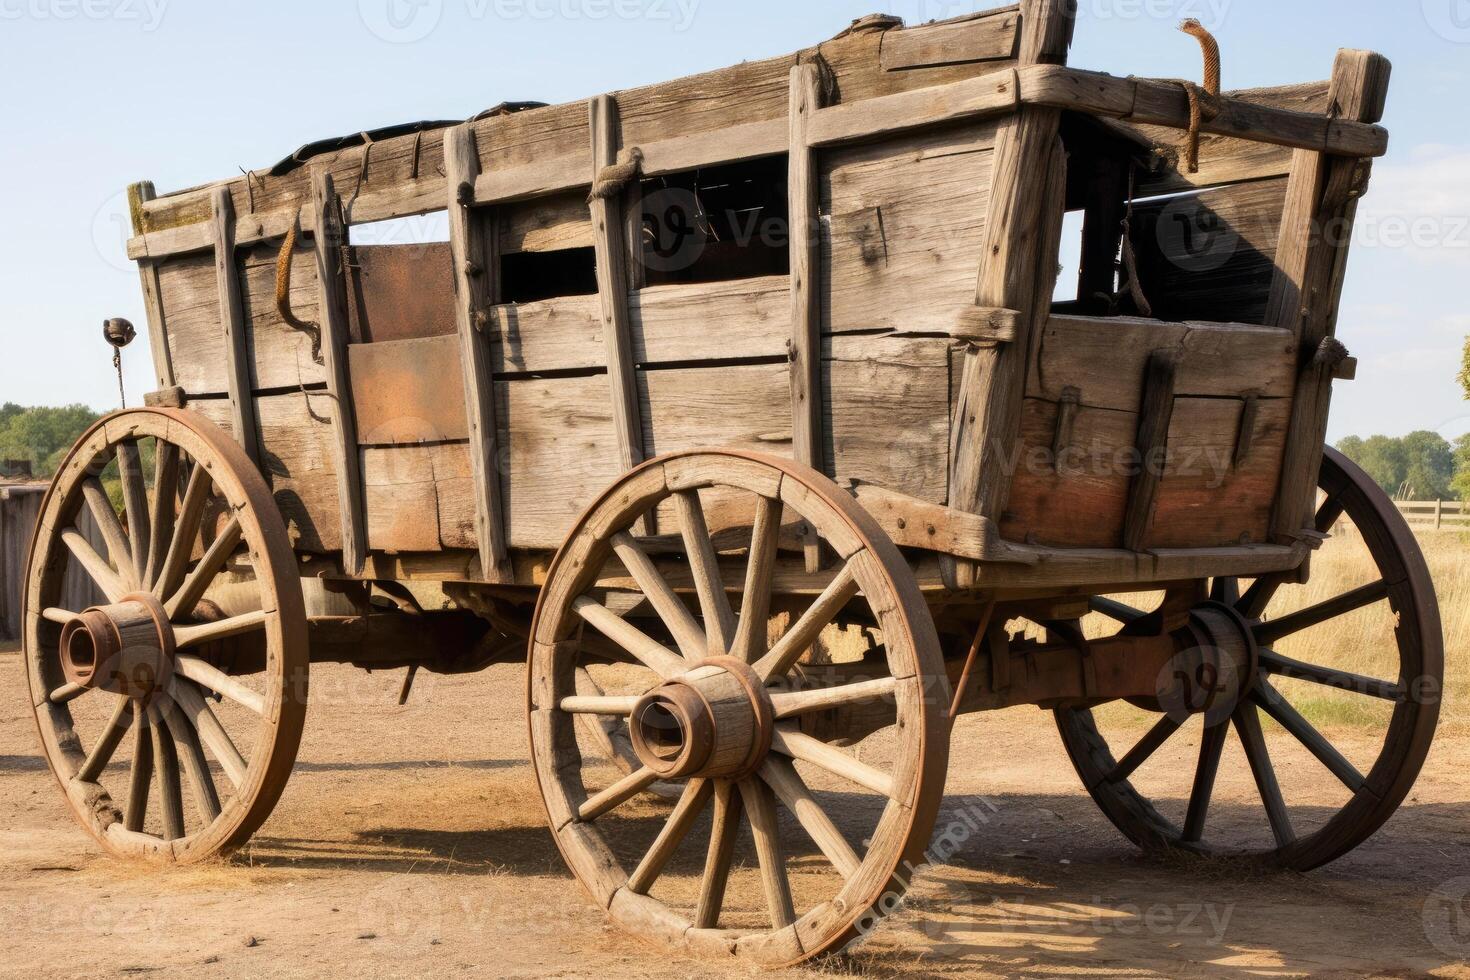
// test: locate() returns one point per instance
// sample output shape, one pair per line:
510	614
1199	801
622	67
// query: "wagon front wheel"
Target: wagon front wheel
165	638
726	701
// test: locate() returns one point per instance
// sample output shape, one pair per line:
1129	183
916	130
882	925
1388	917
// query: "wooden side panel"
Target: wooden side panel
1071	487
279	356
547	224
1210	256
906	229
295	433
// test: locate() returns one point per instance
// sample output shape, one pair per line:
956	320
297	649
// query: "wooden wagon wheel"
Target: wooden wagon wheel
1411	699
200	591
712	706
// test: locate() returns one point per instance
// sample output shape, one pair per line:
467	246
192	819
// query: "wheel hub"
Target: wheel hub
1215	668
714	721
125	648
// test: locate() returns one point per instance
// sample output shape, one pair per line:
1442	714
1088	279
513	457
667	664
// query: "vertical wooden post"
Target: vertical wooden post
804	214
140	194
475	267
1022	236
806	300
1439	515
1316	228
232	321
612	279
330	236
1152	443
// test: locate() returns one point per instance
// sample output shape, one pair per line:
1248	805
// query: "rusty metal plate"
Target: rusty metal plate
406	392
399	292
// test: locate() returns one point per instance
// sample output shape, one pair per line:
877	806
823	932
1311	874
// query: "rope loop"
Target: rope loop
283	291
1204	101
615	179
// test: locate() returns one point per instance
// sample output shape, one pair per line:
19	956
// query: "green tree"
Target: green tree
1431	465
42	434
1383	458
1465	370
1461	483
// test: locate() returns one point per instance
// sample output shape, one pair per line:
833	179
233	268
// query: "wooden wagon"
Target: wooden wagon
743	408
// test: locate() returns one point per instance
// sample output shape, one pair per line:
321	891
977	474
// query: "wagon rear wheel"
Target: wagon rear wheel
1314	652
737	721
170	708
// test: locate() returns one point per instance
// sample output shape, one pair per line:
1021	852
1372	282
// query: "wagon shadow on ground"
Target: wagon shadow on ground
1045	887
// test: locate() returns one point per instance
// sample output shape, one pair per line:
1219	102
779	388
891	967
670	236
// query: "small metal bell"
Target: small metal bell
118	332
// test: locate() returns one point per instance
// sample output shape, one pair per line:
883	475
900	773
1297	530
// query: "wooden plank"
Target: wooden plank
1106	358
1154	420
140	194
232	320
1164	103
612	278
1323	193
905	230
329	239
474	267
805	282
988	38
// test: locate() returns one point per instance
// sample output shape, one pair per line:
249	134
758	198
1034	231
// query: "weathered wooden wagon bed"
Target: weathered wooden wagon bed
773	361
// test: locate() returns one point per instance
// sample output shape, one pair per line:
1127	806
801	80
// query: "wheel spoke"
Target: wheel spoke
725	825
135	502
609	733
165	495
1248	726
191	754
704	564
1365	595
188	636
96	567
1290	719
181	547
166	768
1253	604
782	777
614	706
211	732
59	616
221	683
676	616
142	774
1226	589
1329	513
1212	744
755	601
648	651
767	833
198	581
617	794
789	740
1115	610
119	550
1342	680
67	693
107	742
790	703
804	632
1145	749
686	811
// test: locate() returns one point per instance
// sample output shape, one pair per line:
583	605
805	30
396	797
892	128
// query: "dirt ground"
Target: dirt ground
410	842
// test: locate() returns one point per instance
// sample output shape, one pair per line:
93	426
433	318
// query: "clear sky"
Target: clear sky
100	93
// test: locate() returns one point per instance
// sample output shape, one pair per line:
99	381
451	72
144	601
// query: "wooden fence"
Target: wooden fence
19	506
1435	515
